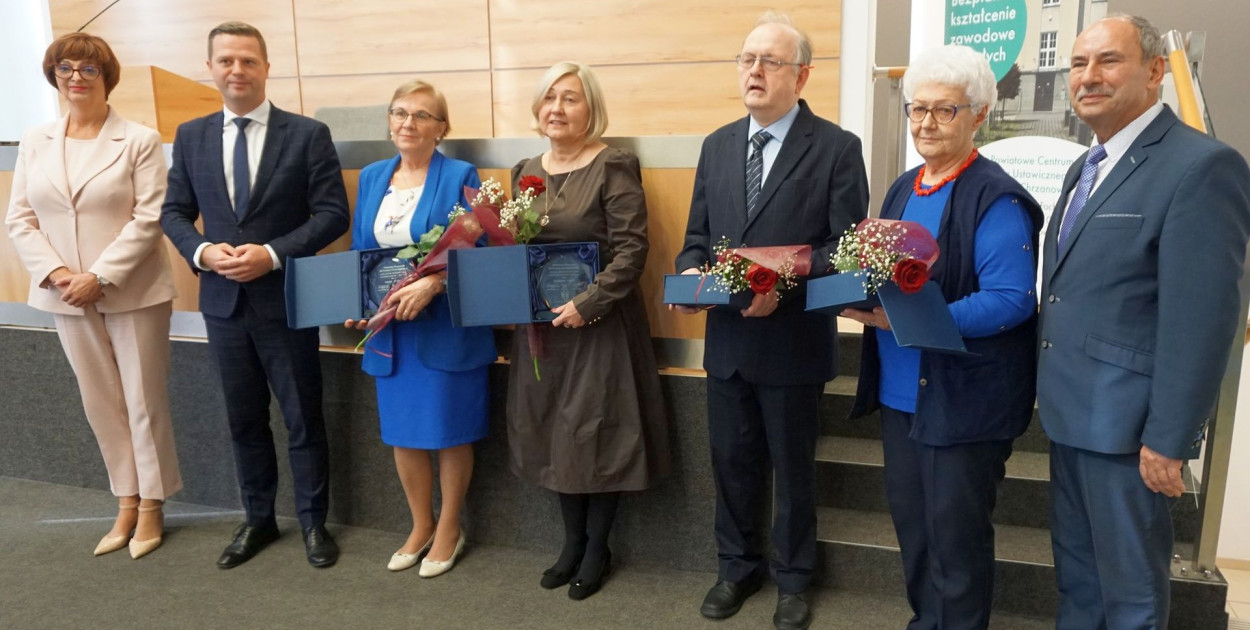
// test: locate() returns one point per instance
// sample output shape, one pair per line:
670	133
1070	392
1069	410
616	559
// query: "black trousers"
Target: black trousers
749	426
253	354
942	499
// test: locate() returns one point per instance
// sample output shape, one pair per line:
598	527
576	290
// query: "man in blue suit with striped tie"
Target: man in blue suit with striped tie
1139	310
268	187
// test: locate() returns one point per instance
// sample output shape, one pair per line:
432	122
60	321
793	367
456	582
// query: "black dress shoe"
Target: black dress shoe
793	613
581	589
248	541
320	545
555	578
725	599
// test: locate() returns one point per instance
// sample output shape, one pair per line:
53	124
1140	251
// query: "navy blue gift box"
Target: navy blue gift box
702	290
491	286
332	288
920	320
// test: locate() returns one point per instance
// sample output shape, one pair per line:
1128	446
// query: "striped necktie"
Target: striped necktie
755	171
1083	188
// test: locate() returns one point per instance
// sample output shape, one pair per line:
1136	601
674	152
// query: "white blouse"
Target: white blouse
393	225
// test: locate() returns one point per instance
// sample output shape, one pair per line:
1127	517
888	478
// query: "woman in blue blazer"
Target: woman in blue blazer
431	377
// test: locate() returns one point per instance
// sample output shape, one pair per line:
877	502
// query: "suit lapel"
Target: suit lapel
738	163
105	151
1129	163
275	141
52	158
367	213
215	158
422	214
1050	244
793	148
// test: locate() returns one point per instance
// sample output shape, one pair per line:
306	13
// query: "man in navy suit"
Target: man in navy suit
780	176
268	187
1139	310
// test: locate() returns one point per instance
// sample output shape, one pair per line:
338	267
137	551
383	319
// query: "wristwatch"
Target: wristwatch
102	281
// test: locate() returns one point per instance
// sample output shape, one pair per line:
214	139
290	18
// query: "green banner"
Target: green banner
996	28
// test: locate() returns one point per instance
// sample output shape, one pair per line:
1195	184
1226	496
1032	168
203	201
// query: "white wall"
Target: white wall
855	93
25	32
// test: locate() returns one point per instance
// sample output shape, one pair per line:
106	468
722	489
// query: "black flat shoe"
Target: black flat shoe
793	613
555	578
320	546
248	541
725	599
581	589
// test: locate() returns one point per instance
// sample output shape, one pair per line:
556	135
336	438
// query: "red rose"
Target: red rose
910	275
534	183
761	278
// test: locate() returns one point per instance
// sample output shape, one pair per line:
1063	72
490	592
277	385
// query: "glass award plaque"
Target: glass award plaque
560	273
381	273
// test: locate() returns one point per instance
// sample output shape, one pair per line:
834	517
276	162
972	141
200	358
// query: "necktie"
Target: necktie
1089	173
755	171
242	176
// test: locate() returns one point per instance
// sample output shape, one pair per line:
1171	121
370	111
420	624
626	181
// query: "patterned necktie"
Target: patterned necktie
755	171
242	176
1088	174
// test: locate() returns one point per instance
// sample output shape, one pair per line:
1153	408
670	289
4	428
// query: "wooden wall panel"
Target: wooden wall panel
538	34
14	280
285	93
173	34
179	99
668	206
384	36
659	99
468	97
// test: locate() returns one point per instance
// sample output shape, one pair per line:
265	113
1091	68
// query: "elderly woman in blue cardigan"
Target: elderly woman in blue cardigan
948	421
431	377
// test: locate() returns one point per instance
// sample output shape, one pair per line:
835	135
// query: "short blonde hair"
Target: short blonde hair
440	102
598	122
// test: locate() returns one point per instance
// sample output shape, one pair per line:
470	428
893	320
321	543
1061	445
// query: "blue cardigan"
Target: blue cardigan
440	345
964	399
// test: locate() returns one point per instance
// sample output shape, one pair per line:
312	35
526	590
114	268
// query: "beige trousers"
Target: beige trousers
121	361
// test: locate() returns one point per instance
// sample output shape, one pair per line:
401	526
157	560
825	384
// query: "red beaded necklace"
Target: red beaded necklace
921	192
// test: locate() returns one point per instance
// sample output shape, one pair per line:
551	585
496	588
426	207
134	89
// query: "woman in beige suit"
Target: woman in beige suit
83	216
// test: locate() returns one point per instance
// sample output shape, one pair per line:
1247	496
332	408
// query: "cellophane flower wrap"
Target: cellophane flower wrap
884	251
517	222
759	269
429	254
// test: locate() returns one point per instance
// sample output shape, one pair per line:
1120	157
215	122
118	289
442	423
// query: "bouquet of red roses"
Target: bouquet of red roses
760	269
884	251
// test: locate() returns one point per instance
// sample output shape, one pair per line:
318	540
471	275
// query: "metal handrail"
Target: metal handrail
1219	445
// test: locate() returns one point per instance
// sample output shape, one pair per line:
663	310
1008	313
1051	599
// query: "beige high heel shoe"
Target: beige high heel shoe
140	548
109	544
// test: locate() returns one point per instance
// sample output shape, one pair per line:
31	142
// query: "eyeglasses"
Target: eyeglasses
400	116
747	61
942	114
88	72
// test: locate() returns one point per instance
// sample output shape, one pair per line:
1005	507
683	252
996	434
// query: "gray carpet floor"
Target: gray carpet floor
49	579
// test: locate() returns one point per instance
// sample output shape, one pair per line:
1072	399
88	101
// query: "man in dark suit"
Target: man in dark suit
1139	310
268	186
780	176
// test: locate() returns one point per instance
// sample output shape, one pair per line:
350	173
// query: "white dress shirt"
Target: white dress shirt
255	132
1116	146
778	131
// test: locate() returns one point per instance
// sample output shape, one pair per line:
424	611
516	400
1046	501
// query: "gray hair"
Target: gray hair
598	122
802	43
954	65
1149	37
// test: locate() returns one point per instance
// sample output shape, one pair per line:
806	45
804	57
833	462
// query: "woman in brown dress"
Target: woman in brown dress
594	425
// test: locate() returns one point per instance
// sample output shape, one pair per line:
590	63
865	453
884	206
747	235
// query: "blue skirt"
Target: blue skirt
424	408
